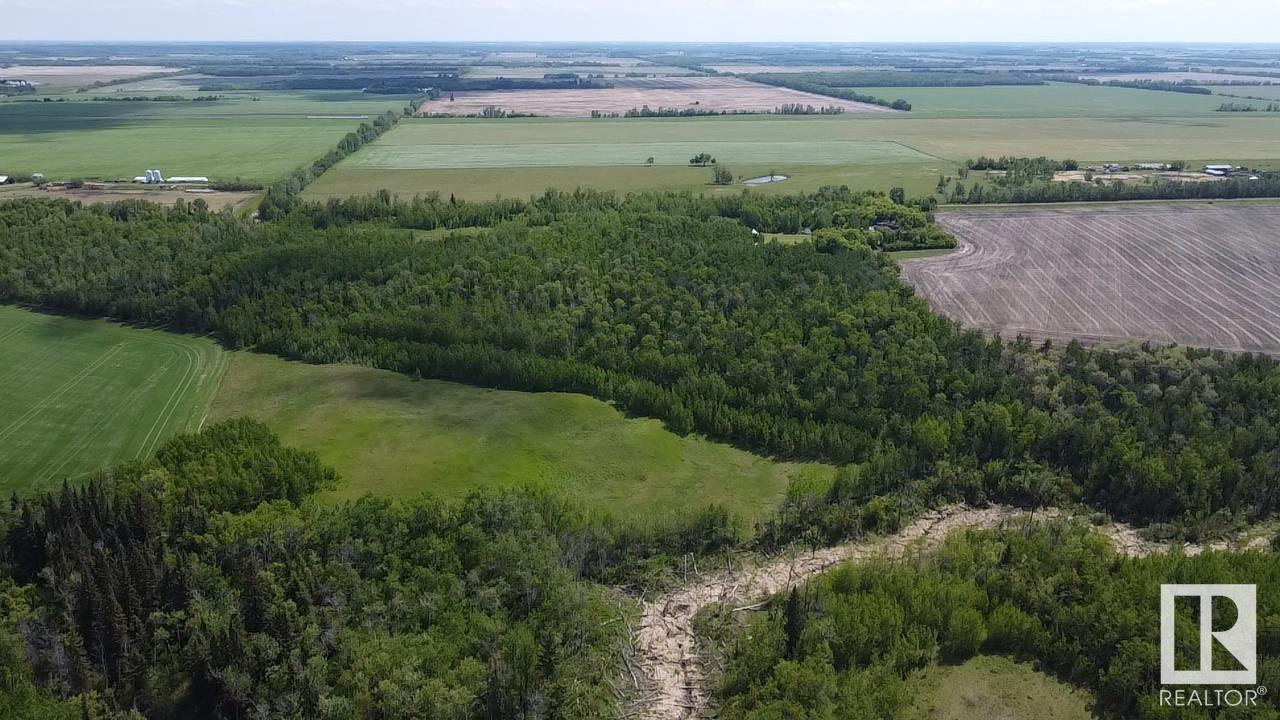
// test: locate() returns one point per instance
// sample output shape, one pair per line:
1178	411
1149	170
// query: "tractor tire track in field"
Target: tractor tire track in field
1199	275
672	679
63	389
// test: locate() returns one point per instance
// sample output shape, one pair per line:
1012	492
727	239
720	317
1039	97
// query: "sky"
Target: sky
641	20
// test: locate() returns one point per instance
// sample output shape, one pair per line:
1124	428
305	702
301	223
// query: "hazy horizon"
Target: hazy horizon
560	21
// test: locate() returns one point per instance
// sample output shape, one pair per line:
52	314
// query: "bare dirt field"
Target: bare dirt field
116	193
705	93
76	75
1135	176
1192	274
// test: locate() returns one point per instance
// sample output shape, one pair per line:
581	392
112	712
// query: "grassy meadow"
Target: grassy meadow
80	395
995	688
85	394
389	435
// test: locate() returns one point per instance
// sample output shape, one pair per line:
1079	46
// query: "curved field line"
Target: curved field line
222	361
53	397
675	679
13	330
176	396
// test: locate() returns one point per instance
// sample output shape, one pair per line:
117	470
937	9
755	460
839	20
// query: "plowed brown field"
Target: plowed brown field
1201	275
692	93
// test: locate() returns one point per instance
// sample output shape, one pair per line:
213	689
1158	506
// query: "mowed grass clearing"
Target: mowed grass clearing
994	688
389	435
80	395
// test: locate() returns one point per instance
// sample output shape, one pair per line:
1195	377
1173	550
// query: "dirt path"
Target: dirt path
673	681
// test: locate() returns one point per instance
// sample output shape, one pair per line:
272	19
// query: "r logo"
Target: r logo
1241	639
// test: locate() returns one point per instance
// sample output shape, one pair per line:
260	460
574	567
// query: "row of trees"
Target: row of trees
1248	107
912	78
282	196
819	84
1262	185
1184	86
1018	171
786	109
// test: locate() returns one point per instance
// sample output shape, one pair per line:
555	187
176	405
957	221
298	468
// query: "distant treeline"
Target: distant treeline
802	83
155	98
1008	162
1245	107
1266	186
910	78
1162	85
128	80
787	109
1250	71
413	84
490	112
236	185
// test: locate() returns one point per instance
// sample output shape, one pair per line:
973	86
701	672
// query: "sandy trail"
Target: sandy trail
673	680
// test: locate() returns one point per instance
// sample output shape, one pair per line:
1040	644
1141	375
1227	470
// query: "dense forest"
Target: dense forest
845	645
204	584
667	305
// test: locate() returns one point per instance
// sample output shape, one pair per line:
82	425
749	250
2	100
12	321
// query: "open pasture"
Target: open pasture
81	395
685	93
994	688
389	435
1192	274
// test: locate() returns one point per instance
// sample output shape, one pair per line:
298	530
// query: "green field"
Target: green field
389	435
994	688
81	395
259	140
480	159
1047	101
1271	92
